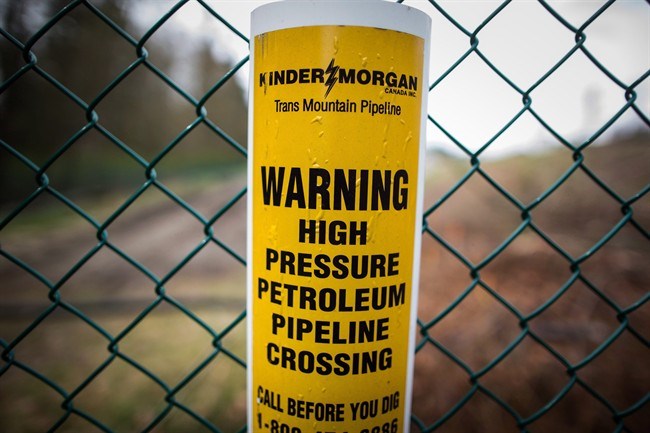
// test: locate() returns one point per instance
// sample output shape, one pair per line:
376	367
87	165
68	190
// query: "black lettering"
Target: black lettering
277	321
295	191
400	194
382	329
341	360
287	262
288	358
362	296
397	296
341	270
276	294
346	76
344	190
262	287
317	75
322	266
291	288
319	182
380	190
308	298
363	76
322	331
292	76
337	233
358	232
306	361
271	257
377	78
378	266
278	77
306	231
363	190
271	350
393	263
413	82
304	327
327	299
366	331
349	189
304	265
272	186
379	298
359	267
324	361
391	79
341	364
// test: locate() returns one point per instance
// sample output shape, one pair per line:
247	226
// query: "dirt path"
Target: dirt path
158	235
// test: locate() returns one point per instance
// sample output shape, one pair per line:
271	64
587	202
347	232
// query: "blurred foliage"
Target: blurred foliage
85	55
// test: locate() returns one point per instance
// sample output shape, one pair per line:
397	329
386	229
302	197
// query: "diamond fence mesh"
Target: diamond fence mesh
122	305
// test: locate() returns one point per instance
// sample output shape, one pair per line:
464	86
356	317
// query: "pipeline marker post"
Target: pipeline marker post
336	150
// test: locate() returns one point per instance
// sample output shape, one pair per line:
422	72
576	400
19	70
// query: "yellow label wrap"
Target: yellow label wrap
336	134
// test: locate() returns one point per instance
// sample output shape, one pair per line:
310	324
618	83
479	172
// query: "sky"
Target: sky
524	41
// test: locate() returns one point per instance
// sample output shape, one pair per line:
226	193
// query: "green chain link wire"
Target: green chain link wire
104	242
527	222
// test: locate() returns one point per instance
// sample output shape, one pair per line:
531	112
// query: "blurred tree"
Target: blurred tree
85	55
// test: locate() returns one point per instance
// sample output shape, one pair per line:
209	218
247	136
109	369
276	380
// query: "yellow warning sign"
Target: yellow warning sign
336	148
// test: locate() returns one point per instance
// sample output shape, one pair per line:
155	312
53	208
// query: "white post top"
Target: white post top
364	13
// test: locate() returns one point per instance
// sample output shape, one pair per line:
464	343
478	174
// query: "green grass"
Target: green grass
166	343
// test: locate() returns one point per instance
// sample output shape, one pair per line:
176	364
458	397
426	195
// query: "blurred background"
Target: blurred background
122	217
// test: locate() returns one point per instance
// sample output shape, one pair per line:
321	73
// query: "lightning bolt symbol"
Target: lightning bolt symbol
332	76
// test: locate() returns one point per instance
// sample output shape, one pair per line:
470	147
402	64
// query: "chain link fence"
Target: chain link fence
122	305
